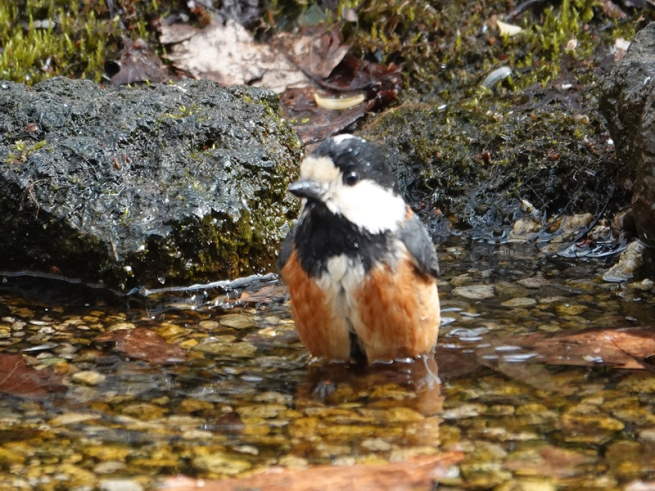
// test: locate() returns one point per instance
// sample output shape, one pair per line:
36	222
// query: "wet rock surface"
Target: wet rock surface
142	186
626	100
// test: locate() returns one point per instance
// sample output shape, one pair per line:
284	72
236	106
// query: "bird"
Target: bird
360	267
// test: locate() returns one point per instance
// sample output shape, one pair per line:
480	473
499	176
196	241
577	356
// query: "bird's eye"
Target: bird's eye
351	178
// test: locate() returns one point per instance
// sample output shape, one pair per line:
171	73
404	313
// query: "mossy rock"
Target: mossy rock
141	186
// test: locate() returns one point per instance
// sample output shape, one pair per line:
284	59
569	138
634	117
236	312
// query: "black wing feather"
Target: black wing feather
415	237
286	249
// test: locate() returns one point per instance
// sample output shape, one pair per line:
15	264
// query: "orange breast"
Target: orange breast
322	332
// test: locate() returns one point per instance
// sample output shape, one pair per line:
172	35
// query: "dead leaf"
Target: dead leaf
229	55
18	379
620	348
380	84
413	474
143	344
316	52
176	32
313	123
136	64
612	10
294	65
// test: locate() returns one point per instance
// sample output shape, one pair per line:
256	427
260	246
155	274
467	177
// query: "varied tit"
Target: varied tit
360	266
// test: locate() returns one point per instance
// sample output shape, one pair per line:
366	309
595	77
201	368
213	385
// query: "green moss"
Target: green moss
73	38
21	149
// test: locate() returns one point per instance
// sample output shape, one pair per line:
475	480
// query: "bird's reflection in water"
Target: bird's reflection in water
383	406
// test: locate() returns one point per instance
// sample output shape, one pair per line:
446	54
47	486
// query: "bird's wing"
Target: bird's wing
419	245
286	249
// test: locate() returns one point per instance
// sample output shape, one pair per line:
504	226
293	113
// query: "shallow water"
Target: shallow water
242	394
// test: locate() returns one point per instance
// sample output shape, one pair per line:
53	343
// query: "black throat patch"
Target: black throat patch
321	235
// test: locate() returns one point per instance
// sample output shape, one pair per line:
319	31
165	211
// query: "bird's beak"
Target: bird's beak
308	188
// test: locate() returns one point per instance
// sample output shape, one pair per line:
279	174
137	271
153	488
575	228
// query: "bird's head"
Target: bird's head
351	177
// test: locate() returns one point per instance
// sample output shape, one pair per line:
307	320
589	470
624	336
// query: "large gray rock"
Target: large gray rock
139	186
627	102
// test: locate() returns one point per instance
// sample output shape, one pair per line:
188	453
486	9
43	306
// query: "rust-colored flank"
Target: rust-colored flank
399	312
321	333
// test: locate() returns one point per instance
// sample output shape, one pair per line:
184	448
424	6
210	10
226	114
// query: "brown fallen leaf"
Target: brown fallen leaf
294	65
628	347
380	84
136	64
621	348
228	54
315	50
411	475
313	123
18	379
143	344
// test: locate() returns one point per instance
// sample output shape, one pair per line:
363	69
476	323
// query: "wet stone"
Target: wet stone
463	411
225	345
109	467
510	289
265	411
72	418
221	463
237	321
519	302
208	325
121	326
475	292
570	309
119	485
189	406
88	377
293	462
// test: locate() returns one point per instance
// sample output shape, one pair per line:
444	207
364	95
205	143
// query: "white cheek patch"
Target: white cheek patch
367	205
320	169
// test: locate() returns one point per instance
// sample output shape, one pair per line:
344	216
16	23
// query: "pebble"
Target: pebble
109	467
568	310
376	444
88	377
631	260
519	302
121	326
533	282
237	321
475	292
464	411
265	411
119	485
72	418
293	462
221	463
